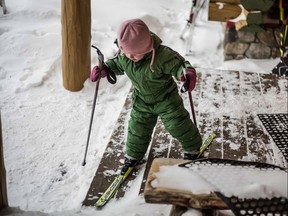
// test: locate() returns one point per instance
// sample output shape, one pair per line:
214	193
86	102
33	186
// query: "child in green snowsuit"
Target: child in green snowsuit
150	67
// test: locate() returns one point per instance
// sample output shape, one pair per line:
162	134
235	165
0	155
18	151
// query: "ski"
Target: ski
206	144
112	189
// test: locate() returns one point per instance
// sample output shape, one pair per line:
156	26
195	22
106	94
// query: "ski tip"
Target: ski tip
212	135
99	204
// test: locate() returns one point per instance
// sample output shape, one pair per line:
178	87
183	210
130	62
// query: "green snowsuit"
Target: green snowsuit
156	94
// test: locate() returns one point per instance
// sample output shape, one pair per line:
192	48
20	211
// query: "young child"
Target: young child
150	67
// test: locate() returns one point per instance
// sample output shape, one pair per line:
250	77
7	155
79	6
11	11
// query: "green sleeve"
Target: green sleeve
114	65
174	63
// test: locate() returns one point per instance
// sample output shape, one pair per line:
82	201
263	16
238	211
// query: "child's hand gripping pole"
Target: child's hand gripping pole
100	57
102	70
185	87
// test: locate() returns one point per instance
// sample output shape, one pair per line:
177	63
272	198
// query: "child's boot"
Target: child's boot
128	163
193	155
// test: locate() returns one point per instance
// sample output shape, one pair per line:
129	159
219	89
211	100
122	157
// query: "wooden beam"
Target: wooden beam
223	13
3	186
76	43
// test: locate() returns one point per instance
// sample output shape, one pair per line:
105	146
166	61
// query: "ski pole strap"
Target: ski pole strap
111	77
185	86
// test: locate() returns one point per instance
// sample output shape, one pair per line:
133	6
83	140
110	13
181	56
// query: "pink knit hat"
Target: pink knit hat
134	38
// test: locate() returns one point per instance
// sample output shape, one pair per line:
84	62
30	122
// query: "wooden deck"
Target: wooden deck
226	104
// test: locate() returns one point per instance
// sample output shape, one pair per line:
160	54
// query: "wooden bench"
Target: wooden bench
180	199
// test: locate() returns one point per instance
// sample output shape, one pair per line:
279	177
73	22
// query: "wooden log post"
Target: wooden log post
3	186
76	42
223	10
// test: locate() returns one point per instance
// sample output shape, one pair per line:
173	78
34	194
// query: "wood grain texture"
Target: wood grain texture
76	43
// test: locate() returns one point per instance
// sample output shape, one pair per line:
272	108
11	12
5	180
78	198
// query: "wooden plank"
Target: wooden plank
209	106
258	141
234	134
251	97
174	196
234	138
109	163
3	186
223	12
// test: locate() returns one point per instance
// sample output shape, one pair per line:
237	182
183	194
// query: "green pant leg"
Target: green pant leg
141	124
178	123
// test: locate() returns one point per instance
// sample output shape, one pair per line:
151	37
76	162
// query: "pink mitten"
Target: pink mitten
96	73
189	80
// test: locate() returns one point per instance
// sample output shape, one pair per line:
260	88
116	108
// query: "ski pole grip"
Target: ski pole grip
100	63
185	85
100	57
111	77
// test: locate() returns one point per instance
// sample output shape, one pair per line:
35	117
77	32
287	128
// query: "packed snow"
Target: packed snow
45	126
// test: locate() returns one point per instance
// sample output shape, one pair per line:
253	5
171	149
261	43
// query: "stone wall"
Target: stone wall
253	45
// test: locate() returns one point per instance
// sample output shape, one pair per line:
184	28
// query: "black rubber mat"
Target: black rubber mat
269	206
277	126
227	162
256	207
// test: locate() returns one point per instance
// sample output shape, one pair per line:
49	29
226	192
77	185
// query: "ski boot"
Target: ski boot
193	155
129	163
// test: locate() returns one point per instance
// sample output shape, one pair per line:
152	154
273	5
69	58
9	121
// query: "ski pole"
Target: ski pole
189	21
192	108
183	89
100	59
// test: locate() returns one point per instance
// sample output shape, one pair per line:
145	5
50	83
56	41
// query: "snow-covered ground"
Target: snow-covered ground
45	126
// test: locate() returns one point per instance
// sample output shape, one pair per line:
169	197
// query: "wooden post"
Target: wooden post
3	187
224	13
76	43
